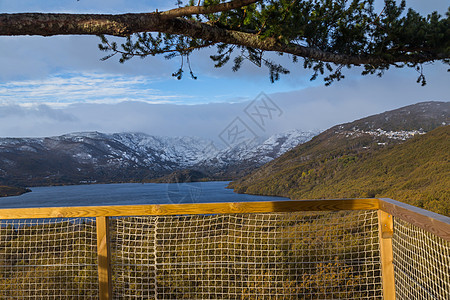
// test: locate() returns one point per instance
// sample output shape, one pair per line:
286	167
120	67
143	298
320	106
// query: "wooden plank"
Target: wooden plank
104	259
385	231
200	208
432	222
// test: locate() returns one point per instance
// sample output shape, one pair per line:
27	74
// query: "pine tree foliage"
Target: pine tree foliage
325	36
394	37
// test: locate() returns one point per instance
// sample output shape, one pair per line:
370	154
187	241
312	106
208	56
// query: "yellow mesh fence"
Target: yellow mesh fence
314	255
48	259
421	263
302	255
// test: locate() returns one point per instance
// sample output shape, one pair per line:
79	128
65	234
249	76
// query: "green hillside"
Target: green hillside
333	166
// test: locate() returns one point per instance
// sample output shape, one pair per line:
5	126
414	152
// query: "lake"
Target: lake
130	194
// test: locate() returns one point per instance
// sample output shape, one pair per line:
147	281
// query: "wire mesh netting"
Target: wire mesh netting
48	259
313	255
421	263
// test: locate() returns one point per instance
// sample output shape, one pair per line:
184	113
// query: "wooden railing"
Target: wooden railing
388	209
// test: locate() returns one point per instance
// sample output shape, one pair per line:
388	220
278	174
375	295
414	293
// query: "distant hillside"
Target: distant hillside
182	176
421	116
6	191
352	161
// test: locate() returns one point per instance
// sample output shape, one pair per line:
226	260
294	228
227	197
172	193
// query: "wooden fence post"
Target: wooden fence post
104	259
385	233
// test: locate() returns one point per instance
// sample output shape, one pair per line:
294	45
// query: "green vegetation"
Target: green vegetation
334	166
6	191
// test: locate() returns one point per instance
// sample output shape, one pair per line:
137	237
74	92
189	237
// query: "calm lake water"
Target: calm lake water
130	194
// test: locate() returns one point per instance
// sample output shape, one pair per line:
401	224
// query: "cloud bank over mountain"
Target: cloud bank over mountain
307	109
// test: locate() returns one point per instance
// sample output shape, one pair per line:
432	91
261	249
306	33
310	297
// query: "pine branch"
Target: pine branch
203	10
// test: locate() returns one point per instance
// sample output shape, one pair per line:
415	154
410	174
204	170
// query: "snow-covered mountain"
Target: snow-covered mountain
94	156
259	151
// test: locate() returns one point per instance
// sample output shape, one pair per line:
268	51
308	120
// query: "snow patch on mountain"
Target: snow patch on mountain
184	152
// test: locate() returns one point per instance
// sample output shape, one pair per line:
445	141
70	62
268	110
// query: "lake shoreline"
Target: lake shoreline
130	194
11	191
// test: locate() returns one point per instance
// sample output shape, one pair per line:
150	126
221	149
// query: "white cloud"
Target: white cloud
66	89
56	85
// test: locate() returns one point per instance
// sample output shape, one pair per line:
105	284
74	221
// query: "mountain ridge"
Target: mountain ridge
129	157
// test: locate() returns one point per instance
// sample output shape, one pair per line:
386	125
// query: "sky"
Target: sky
56	85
